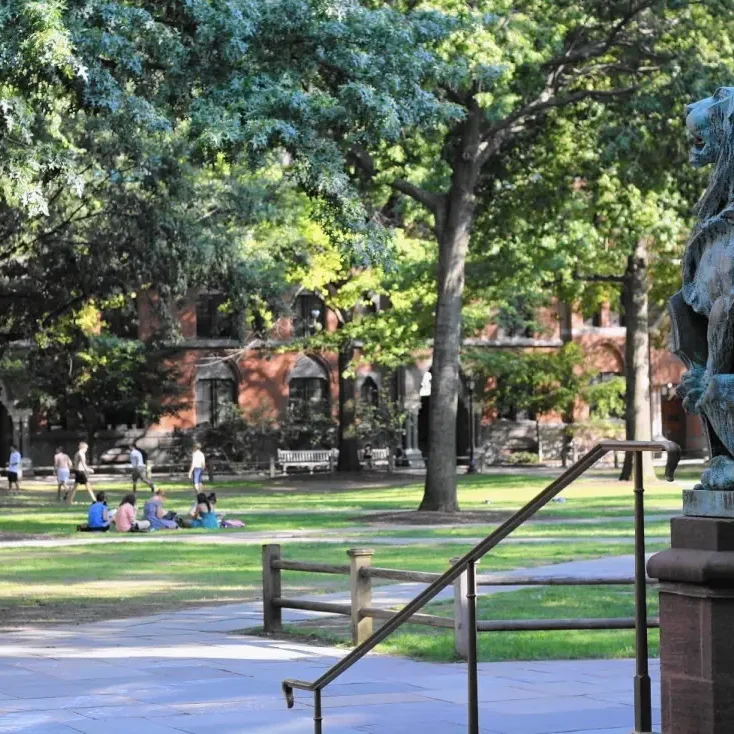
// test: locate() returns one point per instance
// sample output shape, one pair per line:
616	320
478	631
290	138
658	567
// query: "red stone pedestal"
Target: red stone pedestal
697	626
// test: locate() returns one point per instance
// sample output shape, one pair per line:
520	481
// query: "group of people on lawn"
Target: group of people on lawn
124	519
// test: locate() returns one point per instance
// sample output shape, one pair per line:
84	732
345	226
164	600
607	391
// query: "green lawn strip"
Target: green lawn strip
108	579
428	643
60	521
530	530
36	512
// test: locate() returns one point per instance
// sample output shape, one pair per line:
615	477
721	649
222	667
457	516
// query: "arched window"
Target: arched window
369	393
308	386
216	393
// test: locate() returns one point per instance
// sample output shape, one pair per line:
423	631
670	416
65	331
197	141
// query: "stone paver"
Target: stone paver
188	672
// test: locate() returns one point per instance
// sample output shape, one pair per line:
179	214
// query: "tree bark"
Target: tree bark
638	418
453	229
348	449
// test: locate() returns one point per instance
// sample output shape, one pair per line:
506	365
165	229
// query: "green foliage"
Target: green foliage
307	427
382	424
241	436
520	457
534	381
606	399
85	378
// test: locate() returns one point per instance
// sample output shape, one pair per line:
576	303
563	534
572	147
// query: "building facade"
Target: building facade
218	372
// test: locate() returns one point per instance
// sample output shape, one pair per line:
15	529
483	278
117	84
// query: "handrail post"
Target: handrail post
272	614
360	587
643	701
317	716
471	618
462	628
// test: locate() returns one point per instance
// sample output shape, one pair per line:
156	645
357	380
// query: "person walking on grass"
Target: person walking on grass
82	472
62	471
14	469
198	464
137	462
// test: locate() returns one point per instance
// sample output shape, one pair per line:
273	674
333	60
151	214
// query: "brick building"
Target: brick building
217	372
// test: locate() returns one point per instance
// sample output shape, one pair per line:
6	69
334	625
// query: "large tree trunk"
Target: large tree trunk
348	456
638	419
453	229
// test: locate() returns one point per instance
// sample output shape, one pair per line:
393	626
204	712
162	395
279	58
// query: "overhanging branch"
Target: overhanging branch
367	164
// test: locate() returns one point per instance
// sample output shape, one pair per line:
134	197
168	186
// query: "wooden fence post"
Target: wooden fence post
361	593
272	615
461	625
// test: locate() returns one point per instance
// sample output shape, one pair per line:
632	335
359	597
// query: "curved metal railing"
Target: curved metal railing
469	561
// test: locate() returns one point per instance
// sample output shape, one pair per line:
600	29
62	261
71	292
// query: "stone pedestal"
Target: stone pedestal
697	626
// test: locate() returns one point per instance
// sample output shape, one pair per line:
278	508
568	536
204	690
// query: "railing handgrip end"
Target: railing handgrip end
288	693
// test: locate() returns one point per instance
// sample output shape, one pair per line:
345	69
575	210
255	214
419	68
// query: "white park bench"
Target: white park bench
381	456
310	459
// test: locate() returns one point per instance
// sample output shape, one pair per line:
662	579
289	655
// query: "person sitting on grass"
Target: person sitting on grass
125	517
98	518
202	515
154	513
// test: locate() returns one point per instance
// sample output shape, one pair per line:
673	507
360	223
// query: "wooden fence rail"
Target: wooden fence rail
360	611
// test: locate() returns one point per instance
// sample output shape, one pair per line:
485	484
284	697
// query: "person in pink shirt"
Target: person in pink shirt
125	517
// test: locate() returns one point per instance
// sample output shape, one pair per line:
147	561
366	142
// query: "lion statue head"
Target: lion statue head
710	124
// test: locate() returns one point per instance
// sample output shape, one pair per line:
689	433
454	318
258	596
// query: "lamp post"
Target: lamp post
470	385
315	325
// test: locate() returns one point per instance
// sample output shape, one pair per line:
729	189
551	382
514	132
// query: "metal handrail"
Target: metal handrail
469	560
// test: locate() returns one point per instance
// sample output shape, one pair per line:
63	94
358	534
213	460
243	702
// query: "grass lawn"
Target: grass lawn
427	643
108	579
35	512
560	529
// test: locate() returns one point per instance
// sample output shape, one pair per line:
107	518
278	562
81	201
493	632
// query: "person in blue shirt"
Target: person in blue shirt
98	518
14	469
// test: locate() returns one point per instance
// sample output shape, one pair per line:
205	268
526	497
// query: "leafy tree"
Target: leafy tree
87	377
382	423
240	435
501	72
533	381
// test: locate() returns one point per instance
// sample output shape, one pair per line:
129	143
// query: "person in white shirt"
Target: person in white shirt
137	462
198	464
14	469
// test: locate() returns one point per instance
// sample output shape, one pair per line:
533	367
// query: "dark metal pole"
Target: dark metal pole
643	702
472	466
471	620
317	711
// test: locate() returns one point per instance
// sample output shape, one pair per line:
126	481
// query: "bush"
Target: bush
520	457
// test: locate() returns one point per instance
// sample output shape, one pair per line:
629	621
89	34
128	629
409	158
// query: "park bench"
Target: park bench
379	456
310	459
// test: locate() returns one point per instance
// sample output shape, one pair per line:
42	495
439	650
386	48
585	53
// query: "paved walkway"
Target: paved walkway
188	672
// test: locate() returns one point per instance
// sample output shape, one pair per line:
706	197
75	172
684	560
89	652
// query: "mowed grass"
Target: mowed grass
437	645
599	530
109	579
293	501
